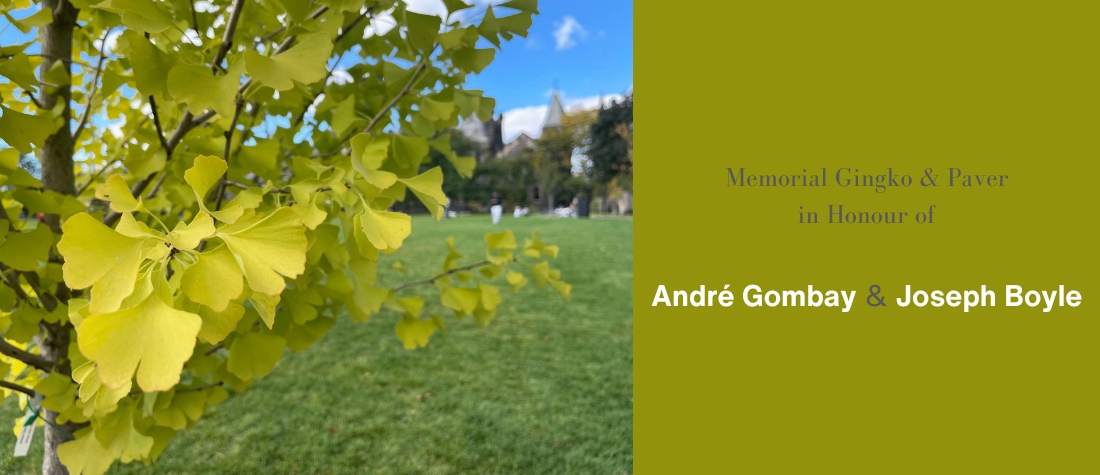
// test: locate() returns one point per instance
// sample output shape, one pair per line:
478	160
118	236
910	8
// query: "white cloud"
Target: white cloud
568	31
529	119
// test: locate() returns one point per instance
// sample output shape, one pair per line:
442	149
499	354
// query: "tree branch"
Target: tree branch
156	122
440	276
408	86
228	148
92	89
16	387
31	359
227	37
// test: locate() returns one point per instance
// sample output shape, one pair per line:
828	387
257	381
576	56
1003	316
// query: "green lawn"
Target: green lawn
545	389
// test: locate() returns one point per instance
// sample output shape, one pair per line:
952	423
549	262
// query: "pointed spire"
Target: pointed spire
554	113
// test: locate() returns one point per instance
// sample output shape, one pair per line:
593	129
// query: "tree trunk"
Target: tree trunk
56	156
53	342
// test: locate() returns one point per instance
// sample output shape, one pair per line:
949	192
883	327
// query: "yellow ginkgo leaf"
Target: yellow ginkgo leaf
462	300
151	333
188	237
414	332
214	280
85	455
268	248
516	280
428	186
97	255
116	191
385	229
305	63
206	172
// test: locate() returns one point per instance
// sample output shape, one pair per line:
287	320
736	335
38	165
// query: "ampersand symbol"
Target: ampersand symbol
874	299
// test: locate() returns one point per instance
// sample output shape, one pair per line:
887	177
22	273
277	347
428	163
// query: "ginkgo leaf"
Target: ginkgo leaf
118	193
462	300
85	455
305	63
254	354
422	29
151	333
116	432
188	237
141	15
428	186
385	229
463	165
206	172
502	240
22	130
490	296
408	151
96	254
414	332
268	249
516	280
20	71
369	151
150	64
24	250
214	280
265	306
218	325
201	90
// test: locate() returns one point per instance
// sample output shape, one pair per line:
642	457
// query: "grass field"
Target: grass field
546	389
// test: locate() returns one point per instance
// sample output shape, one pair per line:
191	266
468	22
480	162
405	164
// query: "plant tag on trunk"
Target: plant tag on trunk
26	435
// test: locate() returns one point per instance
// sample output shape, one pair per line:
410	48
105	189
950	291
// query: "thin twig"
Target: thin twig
16	387
200	388
195	19
408	86
214	348
228	147
440	276
156	122
92	89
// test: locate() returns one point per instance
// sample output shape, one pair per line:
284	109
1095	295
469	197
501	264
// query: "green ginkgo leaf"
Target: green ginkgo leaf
22	130
151	66
141	15
24	250
305	63
254	354
200	89
20	71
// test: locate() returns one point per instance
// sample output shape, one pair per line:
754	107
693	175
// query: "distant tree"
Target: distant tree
611	151
552	161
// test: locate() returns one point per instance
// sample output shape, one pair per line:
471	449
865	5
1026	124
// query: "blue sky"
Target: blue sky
586	48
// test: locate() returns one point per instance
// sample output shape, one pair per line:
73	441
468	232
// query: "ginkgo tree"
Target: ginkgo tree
215	187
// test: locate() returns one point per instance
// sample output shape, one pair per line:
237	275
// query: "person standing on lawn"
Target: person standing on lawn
496	207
